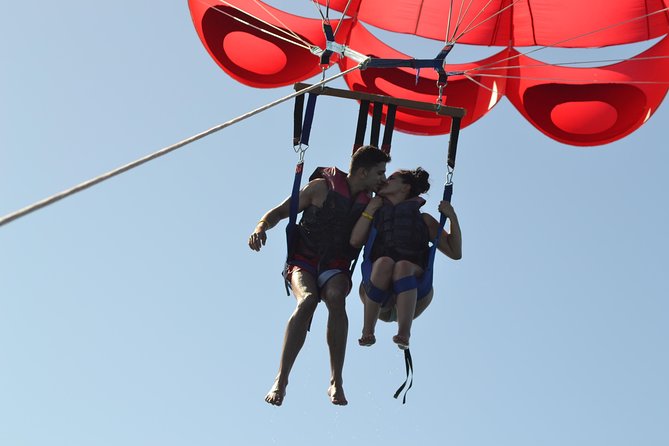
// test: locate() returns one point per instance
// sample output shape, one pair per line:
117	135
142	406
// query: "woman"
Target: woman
393	289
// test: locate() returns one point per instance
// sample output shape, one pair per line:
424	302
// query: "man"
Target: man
318	264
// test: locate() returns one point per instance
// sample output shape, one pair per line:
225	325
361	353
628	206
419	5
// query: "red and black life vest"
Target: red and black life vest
401	232
326	231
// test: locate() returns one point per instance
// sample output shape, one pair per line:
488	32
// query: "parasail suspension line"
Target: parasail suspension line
461	16
164	151
448	23
599	62
560	42
469	25
285	28
287	31
342	17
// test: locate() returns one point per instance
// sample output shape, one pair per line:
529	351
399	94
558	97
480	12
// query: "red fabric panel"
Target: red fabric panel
251	56
536	22
429	18
599	22
590	106
402	83
586	106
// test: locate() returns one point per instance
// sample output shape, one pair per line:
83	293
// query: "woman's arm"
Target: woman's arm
450	242
361	228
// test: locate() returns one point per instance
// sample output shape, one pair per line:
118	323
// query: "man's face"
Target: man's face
376	177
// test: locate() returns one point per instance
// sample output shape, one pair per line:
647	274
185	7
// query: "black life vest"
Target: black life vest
326	231
401	232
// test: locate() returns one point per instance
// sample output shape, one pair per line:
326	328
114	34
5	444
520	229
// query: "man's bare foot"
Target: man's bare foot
336	394
276	394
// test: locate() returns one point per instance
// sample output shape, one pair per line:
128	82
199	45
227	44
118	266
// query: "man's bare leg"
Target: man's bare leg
306	293
334	296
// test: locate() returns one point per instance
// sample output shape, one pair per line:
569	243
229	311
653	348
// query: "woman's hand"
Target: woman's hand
446	209
374	205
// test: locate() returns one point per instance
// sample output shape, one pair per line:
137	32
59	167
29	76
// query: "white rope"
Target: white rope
478	83
99	179
343	14
287	32
471	28
557	79
448	23
461	16
601	63
320	11
293	33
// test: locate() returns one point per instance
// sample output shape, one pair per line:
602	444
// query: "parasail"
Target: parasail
266	47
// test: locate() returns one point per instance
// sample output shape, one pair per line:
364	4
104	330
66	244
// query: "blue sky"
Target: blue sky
133	313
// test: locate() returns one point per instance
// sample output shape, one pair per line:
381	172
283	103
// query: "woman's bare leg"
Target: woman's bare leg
406	300
381	277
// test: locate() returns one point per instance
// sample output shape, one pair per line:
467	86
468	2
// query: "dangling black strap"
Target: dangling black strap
453	141
361	128
409	381
376	124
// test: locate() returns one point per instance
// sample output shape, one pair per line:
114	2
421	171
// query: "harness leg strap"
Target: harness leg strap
375	293
405	284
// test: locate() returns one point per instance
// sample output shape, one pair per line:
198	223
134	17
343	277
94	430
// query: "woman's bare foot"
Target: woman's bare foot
401	341
276	394
336	394
367	339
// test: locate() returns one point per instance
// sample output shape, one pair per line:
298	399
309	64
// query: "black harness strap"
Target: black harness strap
302	131
389	128
329	36
361	127
376	124
453	141
377	115
409	381
297	119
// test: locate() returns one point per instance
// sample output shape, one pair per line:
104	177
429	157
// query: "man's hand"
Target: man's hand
258	238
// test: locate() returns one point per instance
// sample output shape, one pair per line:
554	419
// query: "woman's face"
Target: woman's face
393	185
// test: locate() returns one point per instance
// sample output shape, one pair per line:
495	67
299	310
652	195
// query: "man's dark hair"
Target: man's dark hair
367	157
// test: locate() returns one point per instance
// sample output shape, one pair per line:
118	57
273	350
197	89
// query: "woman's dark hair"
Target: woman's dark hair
367	157
417	179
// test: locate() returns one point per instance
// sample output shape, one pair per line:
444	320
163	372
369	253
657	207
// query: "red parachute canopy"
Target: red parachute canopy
264	47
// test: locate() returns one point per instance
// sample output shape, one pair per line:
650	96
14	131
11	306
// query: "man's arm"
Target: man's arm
311	194
450	242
